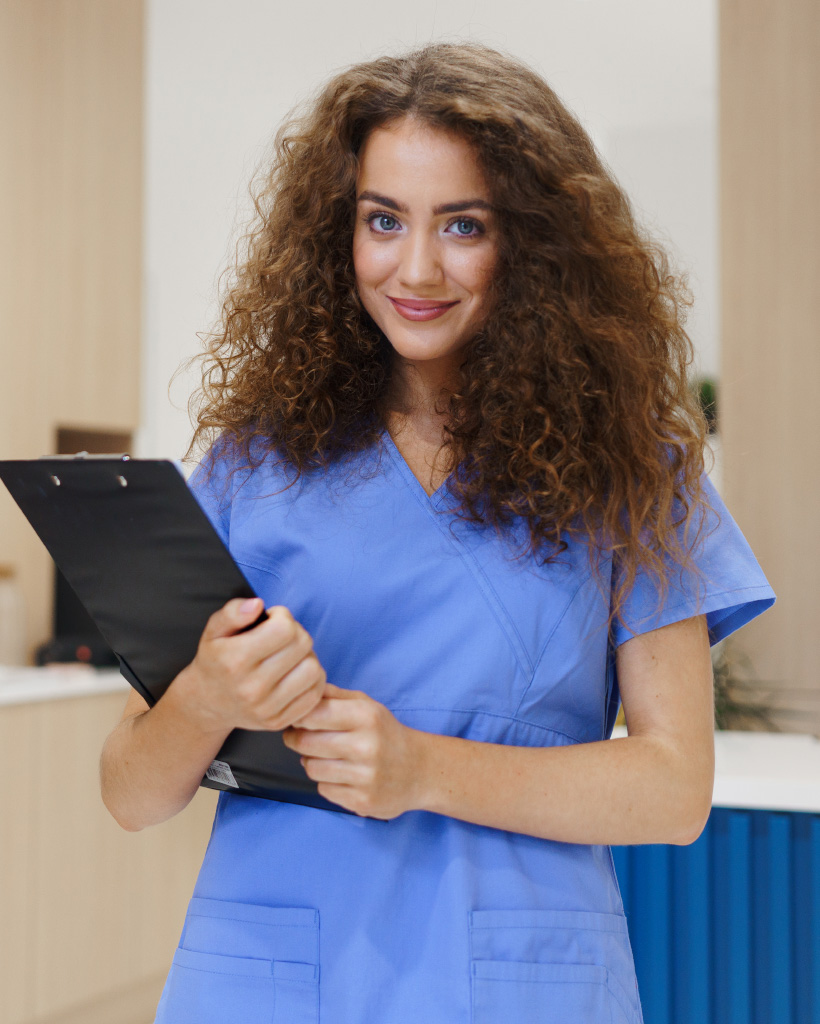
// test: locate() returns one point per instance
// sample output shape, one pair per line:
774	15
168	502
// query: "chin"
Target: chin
418	348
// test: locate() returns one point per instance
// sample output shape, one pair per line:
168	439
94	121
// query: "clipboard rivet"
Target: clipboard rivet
123	481
56	480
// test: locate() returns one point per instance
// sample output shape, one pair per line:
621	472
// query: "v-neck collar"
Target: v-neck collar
438	496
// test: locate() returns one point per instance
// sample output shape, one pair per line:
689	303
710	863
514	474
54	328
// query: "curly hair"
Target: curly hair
573	409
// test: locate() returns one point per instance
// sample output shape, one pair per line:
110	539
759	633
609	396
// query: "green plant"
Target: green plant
741	701
706	390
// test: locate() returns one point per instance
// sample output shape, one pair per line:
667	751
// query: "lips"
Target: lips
421	309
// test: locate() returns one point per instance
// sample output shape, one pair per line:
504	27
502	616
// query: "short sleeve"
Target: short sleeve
731	591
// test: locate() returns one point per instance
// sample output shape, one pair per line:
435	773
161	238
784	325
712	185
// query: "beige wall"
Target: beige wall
71	77
770	266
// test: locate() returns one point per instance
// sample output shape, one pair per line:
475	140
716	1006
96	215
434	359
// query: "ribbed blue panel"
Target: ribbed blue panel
732	893
691	932
806	866
652	937
727	930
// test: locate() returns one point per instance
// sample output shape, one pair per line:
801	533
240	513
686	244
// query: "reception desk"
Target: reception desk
726	930
90	914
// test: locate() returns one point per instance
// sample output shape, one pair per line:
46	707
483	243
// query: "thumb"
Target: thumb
234	616
331	690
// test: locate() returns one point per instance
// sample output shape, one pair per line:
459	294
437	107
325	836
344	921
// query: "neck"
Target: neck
417	394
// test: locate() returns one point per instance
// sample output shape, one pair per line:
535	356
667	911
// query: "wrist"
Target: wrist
430	772
185	693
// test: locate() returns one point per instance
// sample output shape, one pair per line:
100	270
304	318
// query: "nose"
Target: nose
420	264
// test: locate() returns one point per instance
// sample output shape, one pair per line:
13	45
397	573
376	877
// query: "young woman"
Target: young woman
455	451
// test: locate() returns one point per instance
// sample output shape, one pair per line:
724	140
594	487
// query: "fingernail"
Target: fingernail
251	605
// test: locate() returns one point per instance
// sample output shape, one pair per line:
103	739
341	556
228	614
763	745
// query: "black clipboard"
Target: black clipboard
143	558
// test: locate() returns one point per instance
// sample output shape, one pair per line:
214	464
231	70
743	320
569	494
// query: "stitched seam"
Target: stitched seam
490	714
618	994
403	470
508	618
558	622
228	974
462	551
549	639
244	920
549	927
708	597
259	568
683	602
540	981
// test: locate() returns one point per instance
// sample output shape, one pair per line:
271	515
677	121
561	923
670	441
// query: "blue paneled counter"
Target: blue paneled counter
727	930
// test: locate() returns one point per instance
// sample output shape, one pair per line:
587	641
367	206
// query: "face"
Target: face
425	241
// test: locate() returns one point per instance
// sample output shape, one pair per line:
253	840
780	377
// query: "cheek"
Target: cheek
371	263
474	270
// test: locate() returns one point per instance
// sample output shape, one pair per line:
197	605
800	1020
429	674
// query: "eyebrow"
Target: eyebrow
458	207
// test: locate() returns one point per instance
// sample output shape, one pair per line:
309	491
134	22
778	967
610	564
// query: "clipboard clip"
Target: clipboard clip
82	456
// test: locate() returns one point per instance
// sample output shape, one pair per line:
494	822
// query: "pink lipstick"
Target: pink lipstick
421	309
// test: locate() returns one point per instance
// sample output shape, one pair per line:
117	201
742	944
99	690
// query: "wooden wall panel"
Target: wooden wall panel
71	85
770	266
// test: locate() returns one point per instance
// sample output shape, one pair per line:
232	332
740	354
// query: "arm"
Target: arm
653	786
261	678
153	761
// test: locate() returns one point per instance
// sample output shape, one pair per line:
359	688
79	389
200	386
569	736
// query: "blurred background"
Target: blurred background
131	130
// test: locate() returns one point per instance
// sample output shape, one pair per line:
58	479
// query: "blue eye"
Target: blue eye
471	224
381	217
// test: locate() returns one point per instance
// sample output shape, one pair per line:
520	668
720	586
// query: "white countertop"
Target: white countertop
53	682
774	771
754	770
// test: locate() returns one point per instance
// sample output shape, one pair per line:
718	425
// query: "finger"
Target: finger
332	713
323	769
340	691
301	705
288	689
338	792
278	716
278	663
323	744
277	644
235	615
345	796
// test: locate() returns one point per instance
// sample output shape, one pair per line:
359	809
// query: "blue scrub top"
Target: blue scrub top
301	915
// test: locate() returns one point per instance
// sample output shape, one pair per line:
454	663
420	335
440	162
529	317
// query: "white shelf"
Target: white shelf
765	771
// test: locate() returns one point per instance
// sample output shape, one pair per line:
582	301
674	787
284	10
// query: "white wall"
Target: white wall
221	74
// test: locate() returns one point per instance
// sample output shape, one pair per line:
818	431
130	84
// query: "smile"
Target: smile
417	309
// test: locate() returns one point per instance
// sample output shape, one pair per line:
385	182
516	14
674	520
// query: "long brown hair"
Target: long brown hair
573	408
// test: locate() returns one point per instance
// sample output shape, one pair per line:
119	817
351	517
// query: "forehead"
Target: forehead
410	154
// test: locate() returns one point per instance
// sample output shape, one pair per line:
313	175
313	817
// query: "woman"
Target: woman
458	457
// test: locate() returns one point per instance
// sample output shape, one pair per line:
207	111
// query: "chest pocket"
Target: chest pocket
244	963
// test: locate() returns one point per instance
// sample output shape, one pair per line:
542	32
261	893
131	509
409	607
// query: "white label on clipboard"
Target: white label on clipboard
220	771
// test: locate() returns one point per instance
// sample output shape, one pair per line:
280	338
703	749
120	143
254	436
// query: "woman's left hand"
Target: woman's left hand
362	757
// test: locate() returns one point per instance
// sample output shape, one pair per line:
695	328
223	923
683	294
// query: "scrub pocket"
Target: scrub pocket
551	967
244	963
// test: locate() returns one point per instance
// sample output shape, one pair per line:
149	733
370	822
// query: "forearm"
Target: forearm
616	792
152	764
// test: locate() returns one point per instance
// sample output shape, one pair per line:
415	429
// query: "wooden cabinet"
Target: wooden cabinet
89	914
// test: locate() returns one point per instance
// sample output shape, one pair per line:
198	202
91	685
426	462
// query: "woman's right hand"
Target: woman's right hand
267	677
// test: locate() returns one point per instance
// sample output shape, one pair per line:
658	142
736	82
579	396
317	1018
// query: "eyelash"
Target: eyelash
370	217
